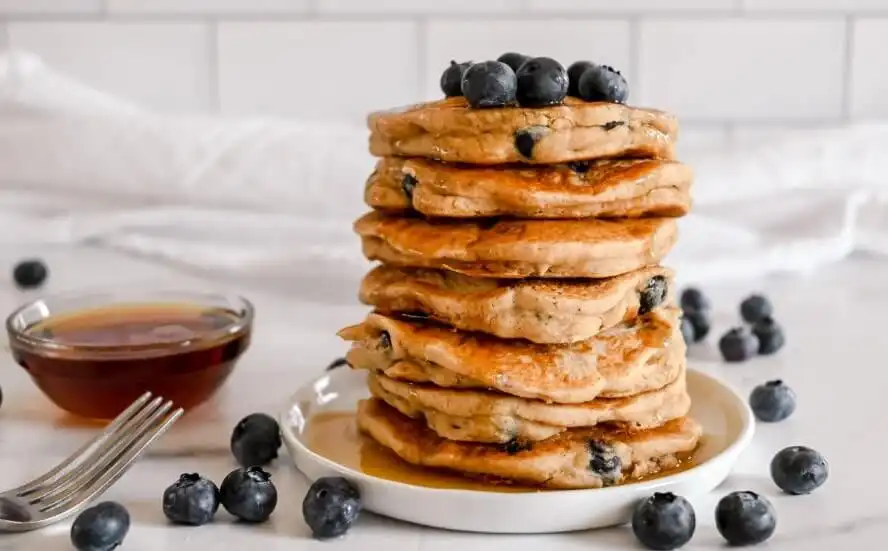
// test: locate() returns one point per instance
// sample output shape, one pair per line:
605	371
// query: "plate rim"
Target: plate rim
733	449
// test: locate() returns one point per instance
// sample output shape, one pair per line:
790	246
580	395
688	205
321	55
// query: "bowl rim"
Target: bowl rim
121	296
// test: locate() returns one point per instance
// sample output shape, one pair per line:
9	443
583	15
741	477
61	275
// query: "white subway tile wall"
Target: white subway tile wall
869	79
209	7
167	65
743	69
317	70
53	7
728	68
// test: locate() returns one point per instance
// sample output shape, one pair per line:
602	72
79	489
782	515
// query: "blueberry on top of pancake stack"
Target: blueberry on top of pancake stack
523	327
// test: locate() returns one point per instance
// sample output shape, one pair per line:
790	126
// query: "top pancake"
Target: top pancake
518	248
606	188
450	130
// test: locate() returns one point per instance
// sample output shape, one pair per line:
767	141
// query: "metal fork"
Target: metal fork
72	484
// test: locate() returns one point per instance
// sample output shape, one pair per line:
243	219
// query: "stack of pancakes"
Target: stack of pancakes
523	329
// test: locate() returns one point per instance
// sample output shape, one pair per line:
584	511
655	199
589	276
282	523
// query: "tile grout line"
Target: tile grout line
848	69
215	92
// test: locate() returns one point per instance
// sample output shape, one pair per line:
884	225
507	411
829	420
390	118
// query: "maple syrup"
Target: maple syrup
335	435
94	362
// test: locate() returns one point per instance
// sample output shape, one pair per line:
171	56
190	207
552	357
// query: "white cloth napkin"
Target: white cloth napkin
246	195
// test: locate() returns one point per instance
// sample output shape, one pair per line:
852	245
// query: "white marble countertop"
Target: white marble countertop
834	360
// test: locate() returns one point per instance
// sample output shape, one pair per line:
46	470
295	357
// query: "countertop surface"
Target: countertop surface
833	360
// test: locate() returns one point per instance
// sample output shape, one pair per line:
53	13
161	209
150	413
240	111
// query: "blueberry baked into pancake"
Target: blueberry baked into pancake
524	327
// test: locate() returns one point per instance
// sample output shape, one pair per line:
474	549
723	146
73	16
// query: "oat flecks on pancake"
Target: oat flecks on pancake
488	416
638	356
539	310
518	248
580	458
626	188
448	130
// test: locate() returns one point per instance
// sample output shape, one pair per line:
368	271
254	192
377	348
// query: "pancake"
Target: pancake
539	310
518	248
450	130
586	189
486	416
637	356
578	458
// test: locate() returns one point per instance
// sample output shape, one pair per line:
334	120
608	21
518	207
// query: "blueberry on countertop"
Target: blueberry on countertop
770	335
664	521
541	81
102	527
30	274
799	470
513	60
489	84
192	500
451	78
687	330
249	494
693	299
331	506
772	401
699	322
755	307
745	518
738	345
574	72
603	83
255	440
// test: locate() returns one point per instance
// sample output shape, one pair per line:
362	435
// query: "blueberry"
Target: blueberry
451	79
755	307
699	322
799	470
516	446
738	345
580	167
745	518
385	340
693	299
603	83
513	60
338	362
653	294
541	81
604	461
574	72
687	330
770	335
29	274
191	500
249	494
772	401
331	506
408	184
527	138
664	521
489	84
102	527
255	440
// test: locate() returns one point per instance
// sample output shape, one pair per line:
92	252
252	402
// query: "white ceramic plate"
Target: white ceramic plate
727	423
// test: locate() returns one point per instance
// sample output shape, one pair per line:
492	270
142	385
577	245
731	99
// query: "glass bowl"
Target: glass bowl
93	353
